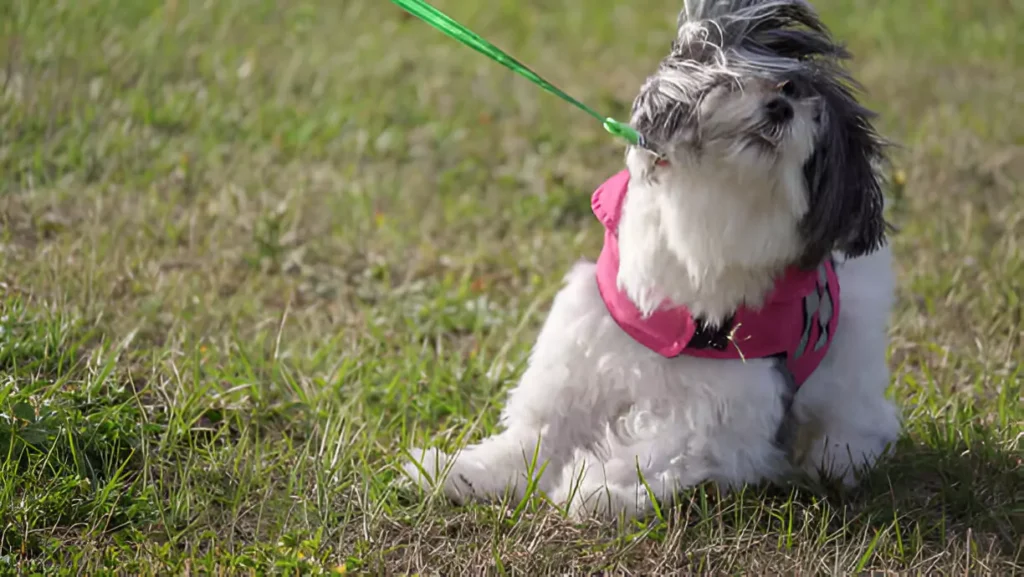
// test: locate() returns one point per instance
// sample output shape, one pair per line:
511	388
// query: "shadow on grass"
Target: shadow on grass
948	489
934	506
69	433
928	497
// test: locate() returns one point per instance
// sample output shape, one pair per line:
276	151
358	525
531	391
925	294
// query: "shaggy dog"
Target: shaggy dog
709	341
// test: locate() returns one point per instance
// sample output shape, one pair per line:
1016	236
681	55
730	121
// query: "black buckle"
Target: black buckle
706	336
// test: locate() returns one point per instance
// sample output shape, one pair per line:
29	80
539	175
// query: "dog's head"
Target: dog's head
756	89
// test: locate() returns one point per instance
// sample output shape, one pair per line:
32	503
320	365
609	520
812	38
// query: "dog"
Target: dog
734	328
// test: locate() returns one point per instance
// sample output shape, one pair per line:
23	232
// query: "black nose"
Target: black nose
779	110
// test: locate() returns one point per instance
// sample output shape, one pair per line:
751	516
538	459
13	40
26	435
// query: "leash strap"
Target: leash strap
453	29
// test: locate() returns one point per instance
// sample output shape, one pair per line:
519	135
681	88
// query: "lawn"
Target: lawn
250	251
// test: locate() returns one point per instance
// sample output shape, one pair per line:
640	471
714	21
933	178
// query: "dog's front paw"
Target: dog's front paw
430	468
845	459
426	466
610	502
600	501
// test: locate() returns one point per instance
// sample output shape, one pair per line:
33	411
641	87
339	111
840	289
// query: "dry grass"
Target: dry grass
251	250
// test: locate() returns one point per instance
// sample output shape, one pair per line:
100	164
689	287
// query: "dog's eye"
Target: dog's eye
789	89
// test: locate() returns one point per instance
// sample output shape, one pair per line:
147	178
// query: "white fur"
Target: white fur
711	230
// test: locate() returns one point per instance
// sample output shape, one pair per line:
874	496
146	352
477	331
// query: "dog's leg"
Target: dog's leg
606	489
724	433
595	485
592	485
500	465
845	422
544	421
554	408
542	425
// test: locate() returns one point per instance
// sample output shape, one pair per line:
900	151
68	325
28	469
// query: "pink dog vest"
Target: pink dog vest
796	323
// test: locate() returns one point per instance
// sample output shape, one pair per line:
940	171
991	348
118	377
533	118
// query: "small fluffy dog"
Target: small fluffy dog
709	341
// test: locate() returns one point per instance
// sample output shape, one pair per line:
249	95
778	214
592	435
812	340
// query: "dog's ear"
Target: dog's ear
844	179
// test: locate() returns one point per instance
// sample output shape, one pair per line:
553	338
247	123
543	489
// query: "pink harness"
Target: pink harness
796	323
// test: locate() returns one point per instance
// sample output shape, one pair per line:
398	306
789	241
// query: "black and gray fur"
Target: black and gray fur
783	41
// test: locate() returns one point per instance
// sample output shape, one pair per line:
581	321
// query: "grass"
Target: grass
252	250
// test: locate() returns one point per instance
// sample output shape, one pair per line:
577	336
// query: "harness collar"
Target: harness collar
795	324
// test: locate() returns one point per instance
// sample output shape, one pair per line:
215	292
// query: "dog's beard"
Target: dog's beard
716	217
711	231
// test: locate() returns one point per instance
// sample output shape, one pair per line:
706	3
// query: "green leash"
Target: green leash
444	23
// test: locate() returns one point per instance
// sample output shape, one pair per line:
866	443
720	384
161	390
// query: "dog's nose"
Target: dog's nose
779	110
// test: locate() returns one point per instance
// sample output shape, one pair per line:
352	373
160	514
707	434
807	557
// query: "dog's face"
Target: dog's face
753	124
755	88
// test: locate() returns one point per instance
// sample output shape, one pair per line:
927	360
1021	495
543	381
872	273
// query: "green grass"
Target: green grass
252	250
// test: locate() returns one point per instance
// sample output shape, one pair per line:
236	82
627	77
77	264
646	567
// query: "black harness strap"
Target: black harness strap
786	432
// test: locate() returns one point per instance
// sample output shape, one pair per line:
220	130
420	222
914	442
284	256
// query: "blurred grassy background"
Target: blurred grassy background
251	250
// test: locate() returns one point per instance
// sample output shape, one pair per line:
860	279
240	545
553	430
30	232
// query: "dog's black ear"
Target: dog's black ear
844	179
